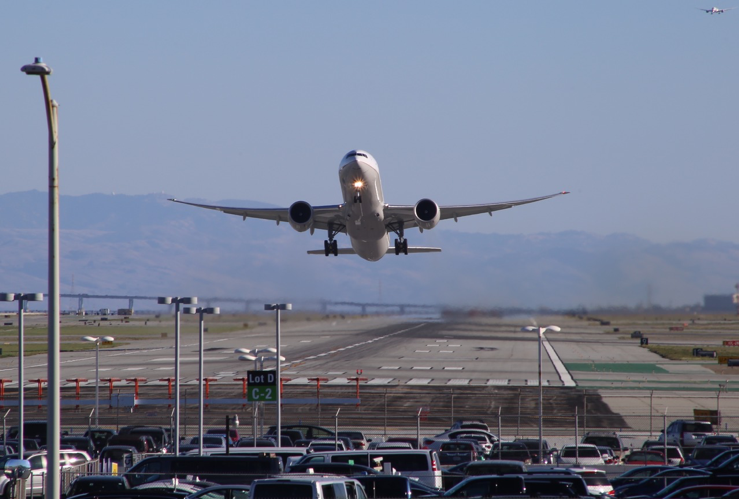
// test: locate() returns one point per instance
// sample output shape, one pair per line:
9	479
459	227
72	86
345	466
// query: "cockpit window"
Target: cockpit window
354	153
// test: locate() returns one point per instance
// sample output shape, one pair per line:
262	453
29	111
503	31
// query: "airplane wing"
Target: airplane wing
707	11
322	215
394	214
350	251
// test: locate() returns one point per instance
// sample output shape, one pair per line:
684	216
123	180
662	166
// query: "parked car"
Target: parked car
675	455
488	486
233	433
606	439
307	487
122	455
724	438
474	424
232	491
80	443
260	442
359	441
644	457
510	451
99	437
309	431
210	440
582	454
346	469
687	433
637	475
459	451
96	484
395	487
702	454
532	444
656	482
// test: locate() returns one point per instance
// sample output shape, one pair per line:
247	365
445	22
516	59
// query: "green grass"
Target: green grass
616	367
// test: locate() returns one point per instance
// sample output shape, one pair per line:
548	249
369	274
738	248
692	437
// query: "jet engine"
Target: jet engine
427	214
300	216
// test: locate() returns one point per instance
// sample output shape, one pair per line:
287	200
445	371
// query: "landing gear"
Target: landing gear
357	198
331	248
401	246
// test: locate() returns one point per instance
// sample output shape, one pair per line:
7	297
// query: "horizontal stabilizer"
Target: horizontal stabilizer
390	250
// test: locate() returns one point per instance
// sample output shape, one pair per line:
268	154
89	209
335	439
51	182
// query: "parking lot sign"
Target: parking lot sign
262	386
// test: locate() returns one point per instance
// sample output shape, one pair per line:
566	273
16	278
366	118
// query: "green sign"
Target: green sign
261	394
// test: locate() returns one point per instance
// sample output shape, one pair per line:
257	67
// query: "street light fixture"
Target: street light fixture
22	299
97	340
169	300
277	307
541	389
53	398
201	311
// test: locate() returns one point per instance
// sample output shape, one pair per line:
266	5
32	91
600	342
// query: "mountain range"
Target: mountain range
146	245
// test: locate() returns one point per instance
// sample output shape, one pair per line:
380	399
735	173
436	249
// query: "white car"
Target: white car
583	454
596	480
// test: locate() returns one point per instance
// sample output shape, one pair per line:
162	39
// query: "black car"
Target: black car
96	484
394	487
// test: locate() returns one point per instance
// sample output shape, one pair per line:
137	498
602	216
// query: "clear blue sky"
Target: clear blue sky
631	105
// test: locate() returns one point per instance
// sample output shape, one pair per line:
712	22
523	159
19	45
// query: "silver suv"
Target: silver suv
687	433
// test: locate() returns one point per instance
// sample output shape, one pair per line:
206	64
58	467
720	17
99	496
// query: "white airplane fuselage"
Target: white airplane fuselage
364	203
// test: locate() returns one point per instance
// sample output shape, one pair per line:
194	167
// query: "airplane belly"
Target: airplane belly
371	250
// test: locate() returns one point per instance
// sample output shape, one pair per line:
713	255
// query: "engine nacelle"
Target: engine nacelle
427	214
300	216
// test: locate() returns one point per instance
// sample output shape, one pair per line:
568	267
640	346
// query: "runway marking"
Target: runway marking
380	381
368	342
441	341
450	345
297	381
498	382
305	341
134	368
422	351
564	374
422	367
446	351
170	368
338	381
432	345
335	373
419	381
390	367
458	382
453	368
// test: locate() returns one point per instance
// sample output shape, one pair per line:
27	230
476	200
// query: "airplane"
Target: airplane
364	216
715	10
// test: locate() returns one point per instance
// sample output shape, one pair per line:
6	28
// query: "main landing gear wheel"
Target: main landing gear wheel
401	246
331	248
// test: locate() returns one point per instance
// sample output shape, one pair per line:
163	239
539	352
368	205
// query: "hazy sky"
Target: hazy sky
631	105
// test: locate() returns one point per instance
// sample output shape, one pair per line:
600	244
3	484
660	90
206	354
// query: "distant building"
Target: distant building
719	303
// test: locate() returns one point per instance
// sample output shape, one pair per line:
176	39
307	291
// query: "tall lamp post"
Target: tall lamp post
184	300
541	389
97	340
201	311
53	399
21	298
277	307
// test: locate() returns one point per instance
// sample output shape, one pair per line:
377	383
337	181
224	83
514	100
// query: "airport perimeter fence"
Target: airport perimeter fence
409	412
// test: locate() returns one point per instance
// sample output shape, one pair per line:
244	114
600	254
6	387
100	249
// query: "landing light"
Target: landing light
358	184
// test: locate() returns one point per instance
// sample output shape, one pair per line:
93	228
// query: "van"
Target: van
307	488
218	469
35	430
422	465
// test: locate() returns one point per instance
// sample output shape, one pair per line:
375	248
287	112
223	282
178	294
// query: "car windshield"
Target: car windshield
698	428
581	452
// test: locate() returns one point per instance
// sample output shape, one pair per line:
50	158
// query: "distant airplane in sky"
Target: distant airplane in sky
715	10
363	215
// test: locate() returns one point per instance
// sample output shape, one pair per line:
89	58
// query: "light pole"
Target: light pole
277	307
53	398
21	298
201	311
185	300
97	340
541	389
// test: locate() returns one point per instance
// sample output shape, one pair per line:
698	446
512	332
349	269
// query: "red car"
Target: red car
644	457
